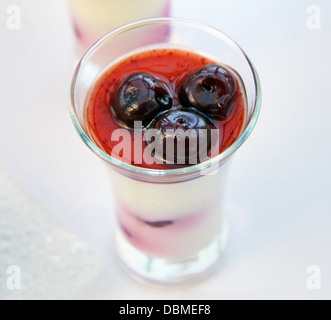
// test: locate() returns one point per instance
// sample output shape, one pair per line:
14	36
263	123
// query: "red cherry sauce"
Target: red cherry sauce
169	65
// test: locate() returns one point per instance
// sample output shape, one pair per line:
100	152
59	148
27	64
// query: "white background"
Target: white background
278	195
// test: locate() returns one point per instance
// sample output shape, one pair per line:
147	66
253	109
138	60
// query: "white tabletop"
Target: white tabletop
278	195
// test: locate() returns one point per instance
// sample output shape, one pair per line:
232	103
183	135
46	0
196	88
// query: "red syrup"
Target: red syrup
172	67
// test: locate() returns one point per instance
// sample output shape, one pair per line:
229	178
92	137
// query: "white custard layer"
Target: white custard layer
169	201
192	212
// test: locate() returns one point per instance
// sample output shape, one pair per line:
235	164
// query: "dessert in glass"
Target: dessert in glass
92	19
165	113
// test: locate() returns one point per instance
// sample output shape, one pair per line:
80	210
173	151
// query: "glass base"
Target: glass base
159	270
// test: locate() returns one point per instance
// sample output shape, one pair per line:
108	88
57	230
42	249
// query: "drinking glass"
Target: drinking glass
171	225
92	19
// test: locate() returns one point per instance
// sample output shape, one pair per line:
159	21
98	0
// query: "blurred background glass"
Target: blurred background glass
94	18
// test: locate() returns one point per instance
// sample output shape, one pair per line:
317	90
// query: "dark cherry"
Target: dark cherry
211	89
140	97
187	134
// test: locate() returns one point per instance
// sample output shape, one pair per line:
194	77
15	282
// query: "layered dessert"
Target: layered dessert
93	19
167	109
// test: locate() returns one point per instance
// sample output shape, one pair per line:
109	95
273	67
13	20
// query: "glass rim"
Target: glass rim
213	162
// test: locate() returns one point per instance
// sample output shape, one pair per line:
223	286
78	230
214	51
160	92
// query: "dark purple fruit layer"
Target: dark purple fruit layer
159	224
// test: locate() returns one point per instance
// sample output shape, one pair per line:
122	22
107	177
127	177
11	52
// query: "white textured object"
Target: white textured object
53	263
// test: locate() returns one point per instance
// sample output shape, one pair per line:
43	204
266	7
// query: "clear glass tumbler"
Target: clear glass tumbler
186	232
